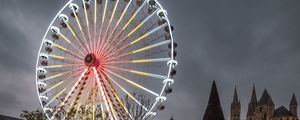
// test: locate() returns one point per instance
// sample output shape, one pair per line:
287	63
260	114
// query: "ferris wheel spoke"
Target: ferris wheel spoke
61	92
56	96
138	72
103	115
61	82
103	93
133	83
119	21
95	25
88	98
115	95
83	88
93	101
69	42
139	50
65	58
70	108
81	30
64	65
87	24
71	29
109	98
61	74
99	44
60	106
109	24
133	31
126	92
77	110
129	22
137	40
139	61
68	51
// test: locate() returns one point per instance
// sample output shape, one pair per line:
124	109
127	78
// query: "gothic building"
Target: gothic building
264	108
214	110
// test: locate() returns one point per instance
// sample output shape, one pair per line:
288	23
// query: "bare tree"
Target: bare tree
137	111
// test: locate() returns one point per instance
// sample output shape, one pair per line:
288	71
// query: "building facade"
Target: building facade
264	108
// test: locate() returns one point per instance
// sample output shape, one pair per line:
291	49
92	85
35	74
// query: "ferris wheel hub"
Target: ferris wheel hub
90	60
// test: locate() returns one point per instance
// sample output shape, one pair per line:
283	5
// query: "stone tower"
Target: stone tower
265	107
252	105
214	110
293	106
235	109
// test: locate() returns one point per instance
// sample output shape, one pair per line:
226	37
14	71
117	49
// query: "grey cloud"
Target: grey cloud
235	42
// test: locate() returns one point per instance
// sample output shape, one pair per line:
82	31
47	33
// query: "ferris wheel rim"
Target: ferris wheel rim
170	66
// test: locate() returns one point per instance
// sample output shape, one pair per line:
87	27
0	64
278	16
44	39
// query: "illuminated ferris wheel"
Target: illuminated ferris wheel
96	51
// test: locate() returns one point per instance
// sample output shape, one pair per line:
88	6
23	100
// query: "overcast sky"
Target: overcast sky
235	42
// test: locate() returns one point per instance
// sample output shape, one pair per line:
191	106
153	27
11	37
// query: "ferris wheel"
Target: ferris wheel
96	51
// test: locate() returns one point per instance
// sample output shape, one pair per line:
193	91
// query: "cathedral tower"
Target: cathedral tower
235	110
293	106
252	105
214	110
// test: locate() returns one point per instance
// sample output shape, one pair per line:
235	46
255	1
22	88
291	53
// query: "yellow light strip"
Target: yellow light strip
101	105
64	65
56	56
133	83
138	72
77	110
117	96
93	104
142	49
76	36
119	21
83	35
125	91
102	91
108	26
88	25
61	47
65	38
54	66
95	24
110	103
102	24
140	38
141	61
130	20
88	94
70	106
69	41
64	58
54	76
61	92
68	51
56	85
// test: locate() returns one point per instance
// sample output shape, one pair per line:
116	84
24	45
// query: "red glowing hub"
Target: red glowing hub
90	60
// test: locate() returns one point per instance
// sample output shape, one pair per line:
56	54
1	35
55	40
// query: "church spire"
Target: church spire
293	105
253	96
235	110
235	96
293	100
214	109
253	102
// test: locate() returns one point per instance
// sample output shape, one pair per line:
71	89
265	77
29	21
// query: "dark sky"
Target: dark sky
235	42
